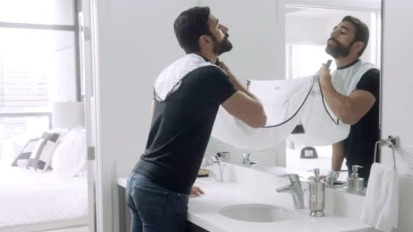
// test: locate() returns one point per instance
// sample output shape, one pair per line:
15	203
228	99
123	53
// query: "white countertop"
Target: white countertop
204	210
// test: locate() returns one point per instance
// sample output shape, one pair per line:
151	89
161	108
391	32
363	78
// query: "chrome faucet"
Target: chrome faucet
294	189
217	160
246	159
332	178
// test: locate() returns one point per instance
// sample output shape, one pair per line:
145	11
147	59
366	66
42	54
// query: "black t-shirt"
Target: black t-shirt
359	145
181	128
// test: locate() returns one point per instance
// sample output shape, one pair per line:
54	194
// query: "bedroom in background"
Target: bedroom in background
43	169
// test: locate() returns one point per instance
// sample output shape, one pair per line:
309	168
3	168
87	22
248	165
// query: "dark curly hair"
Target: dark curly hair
362	31
190	25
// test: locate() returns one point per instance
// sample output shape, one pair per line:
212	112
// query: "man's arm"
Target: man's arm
338	156
349	109
243	104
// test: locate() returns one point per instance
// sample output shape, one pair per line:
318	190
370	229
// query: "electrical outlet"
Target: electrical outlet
395	140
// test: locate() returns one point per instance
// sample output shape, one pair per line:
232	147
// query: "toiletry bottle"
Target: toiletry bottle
317	195
355	184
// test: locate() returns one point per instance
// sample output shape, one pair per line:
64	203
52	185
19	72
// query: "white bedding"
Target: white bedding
30	197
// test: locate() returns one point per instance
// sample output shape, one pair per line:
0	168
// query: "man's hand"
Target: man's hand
325	76
196	191
226	69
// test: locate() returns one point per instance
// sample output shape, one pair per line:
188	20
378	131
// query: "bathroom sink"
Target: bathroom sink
256	213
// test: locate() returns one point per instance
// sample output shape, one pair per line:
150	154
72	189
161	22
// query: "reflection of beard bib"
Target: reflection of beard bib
282	101
286	104
320	124
345	80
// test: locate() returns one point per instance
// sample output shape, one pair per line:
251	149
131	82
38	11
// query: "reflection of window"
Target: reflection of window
44	12
305	60
38	67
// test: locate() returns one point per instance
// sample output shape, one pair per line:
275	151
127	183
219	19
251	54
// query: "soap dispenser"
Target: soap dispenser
317	195
355	183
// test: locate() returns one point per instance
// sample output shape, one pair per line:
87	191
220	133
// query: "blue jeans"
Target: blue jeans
154	208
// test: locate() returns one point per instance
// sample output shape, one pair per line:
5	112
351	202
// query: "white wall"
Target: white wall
136	41
397	109
253	27
258	53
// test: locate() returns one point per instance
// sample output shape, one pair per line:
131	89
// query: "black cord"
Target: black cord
306	97
324	104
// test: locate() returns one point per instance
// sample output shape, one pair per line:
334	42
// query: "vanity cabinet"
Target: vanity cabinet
191	227
240	187
124	214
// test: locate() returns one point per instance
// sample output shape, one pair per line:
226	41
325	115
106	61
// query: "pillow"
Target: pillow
43	151
22	159
69	158
61	131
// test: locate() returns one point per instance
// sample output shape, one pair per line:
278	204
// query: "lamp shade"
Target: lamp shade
68	114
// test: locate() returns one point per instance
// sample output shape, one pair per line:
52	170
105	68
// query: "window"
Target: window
306	59
38	66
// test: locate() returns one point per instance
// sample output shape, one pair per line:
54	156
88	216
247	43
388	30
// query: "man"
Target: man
359	107
187	95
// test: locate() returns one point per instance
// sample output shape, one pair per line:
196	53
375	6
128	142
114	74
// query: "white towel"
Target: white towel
381	204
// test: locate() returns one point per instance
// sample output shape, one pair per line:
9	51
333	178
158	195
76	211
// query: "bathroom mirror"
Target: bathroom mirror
306	27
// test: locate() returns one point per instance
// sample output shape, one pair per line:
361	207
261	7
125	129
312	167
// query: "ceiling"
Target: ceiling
316	13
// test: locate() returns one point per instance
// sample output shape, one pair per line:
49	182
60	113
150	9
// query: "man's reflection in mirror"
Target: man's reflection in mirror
360	107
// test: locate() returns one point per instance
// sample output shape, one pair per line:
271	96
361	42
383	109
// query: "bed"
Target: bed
36	199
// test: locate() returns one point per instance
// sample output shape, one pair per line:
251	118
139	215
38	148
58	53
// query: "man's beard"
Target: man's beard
221	46
339	50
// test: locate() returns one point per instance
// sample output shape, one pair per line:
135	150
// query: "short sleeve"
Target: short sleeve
370	81
215	84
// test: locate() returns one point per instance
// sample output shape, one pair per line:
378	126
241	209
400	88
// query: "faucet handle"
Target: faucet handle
215	159
332	176
294	178
246	155
246	158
